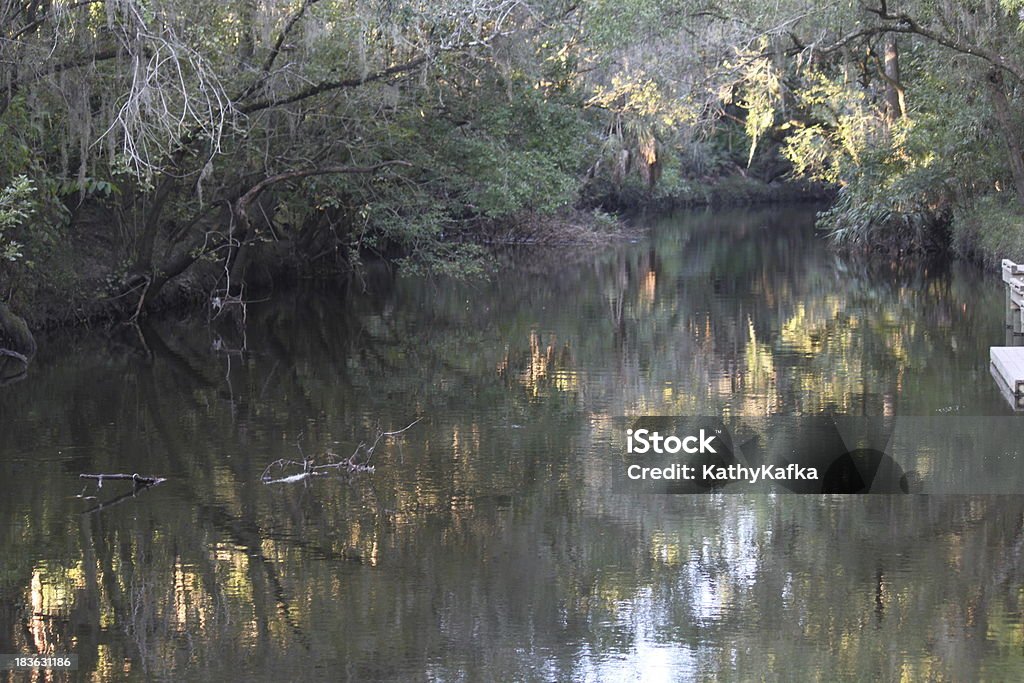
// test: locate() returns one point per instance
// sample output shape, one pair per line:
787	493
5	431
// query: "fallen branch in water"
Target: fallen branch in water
358	462
137	478
140	483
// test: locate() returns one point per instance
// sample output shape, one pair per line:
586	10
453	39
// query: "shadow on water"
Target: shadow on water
489	542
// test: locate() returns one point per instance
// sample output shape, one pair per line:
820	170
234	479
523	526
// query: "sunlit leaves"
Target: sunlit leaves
15	208
757	89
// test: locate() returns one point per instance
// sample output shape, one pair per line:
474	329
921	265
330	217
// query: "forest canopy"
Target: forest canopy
155	141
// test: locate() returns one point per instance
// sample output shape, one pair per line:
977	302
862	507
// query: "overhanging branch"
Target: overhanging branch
242	205
275	51
328	86
904	23
209	244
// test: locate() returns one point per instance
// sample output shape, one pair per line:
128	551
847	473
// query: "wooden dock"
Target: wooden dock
1013	278
1007	366
1006	363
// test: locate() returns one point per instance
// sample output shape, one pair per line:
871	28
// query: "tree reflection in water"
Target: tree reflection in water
488	543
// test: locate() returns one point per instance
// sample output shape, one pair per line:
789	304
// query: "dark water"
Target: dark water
488	543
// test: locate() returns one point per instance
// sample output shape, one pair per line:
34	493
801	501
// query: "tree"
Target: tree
187	107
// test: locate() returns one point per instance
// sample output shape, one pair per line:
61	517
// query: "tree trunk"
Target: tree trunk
177	264
247	32
895	103
1004	116
153	220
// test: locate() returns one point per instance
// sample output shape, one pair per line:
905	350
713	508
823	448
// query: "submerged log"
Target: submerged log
136	477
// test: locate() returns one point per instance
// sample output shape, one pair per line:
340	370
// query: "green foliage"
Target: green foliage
480	157
605	221
503	116
757	90
455	260
706	159
608	22
33	254
990	229
900	181
15	209
518	152
835	129
86	187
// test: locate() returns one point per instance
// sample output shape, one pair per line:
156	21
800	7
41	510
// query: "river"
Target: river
489	541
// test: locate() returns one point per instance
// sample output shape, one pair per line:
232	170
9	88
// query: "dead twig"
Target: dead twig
358	462
142	300
140	483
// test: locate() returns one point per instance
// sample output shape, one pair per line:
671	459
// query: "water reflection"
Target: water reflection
488	543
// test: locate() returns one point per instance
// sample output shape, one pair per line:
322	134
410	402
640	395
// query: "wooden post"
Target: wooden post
1013	279
1008	307
1006	363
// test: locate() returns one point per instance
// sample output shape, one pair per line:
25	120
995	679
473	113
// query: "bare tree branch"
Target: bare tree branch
212	242
242	205
75	63
268	64
32	25
328	86
904	23
352	464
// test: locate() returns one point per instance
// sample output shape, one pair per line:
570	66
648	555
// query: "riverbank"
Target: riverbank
982	232
990	230
730	191
80	285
